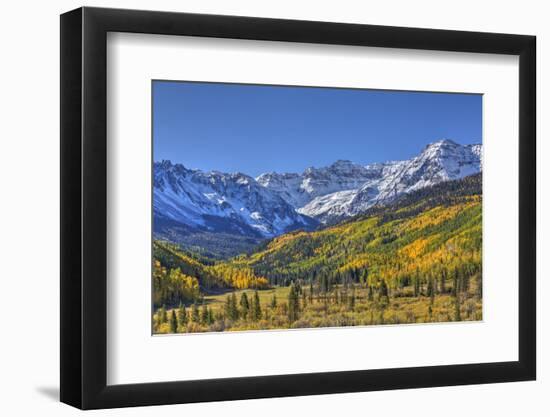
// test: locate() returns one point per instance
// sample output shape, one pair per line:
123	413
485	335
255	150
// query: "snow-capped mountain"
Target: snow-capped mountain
276	203
300	189
345	189
218	202
440	161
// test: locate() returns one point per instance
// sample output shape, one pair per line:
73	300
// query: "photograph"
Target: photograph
287	207
304	207
247	208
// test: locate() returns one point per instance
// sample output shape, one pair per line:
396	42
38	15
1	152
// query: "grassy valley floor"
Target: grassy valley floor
337	308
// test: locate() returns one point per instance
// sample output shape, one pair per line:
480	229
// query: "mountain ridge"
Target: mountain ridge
439	161
275	203
203	199
442	221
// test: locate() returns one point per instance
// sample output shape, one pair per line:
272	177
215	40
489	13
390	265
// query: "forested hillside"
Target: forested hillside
416	260
430	233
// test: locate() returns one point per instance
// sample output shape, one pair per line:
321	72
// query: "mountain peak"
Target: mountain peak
168	166
165	163
444	148
342	163
442	142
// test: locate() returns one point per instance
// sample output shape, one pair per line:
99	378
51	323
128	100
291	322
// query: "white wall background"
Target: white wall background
29	225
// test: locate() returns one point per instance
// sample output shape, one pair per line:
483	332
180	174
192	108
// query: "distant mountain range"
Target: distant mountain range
192	201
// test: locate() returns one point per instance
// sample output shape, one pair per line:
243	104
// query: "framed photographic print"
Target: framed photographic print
257	207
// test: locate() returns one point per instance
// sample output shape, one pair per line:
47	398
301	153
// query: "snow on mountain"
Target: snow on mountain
343	204
276	203
443	160
300	189
440	161
214	201
477	150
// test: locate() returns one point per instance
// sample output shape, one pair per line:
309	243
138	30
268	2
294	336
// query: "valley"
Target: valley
415	259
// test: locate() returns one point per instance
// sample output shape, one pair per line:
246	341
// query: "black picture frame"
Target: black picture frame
84	207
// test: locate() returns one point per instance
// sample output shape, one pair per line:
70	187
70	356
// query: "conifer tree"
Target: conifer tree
293	304
365	277
227	306
284	308
442	289
245	306
163	315
173	323
351	300
195	313
204	314
233	310
455	283
257	309
457	309
431	291
323	284
210	316
182	315
274	301
383	291
298	287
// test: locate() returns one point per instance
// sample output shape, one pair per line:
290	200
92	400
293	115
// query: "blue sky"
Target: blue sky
255	129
